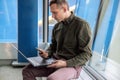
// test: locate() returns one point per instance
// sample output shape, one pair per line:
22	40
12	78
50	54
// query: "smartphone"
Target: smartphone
38	49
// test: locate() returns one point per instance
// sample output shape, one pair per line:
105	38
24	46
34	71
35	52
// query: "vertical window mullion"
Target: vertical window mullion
45	20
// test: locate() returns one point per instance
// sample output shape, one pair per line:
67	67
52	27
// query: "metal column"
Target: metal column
45	20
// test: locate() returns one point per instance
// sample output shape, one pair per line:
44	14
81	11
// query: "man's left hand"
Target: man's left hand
58	64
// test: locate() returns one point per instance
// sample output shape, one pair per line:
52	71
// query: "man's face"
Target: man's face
57	12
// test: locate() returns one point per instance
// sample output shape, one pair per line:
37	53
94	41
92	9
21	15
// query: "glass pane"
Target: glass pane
88	10
105	55
8	29
8	21
40	22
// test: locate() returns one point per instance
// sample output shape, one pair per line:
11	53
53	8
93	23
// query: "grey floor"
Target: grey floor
10	73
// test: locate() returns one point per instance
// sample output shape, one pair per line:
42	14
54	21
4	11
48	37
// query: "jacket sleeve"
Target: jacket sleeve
52	48
84	47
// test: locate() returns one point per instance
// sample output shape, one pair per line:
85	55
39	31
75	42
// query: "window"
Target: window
40	20
105	58
88	10
8	21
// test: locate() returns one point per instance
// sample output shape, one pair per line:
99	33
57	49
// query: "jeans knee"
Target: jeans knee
25	71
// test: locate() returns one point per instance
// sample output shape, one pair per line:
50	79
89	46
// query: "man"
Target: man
70	46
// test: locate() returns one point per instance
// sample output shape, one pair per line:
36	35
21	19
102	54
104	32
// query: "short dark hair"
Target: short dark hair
59	2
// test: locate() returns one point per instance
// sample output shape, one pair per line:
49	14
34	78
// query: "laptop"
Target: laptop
36	61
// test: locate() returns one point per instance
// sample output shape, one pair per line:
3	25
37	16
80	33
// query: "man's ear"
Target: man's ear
65	8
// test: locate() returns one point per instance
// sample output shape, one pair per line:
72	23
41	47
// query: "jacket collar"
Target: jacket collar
69	19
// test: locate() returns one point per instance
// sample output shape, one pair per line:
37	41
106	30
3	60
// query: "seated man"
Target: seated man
70	46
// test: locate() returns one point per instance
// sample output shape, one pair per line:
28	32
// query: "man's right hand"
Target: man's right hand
43	53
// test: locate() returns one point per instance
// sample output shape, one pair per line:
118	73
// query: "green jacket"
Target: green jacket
76	45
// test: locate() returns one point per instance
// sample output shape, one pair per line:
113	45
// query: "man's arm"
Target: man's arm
52	48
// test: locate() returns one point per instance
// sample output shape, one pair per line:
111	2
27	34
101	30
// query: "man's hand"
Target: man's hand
58	64
43	53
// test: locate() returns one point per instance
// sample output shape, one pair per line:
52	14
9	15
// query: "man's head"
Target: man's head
59	9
